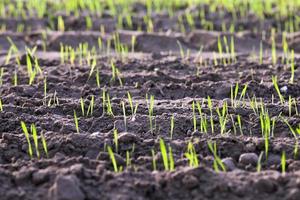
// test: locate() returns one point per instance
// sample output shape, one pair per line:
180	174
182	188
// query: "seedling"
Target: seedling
35	140
76	122
217	160
210	106
113	160
44	143
150	112
223	117
124	114
1	105
97	78
258	167
91	106
283	163
116	143
191	155
25	131
274	80
132	108
168	160
194	117
153	159
292	63
172	127
240	124
60	24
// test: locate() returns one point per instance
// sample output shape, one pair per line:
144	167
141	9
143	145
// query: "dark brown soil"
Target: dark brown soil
78	166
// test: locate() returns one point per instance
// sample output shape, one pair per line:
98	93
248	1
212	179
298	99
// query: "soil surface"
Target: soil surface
177	68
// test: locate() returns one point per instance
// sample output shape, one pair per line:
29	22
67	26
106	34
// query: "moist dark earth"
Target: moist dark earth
78	165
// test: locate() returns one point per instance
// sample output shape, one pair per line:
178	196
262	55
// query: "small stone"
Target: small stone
284	89
248	158
229	164
66	188
127	138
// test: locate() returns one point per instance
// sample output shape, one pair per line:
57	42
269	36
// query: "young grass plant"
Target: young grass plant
26	133
76	122
150	112
191	155
283	162
274	80
113	160
153	160
132	107
34	135
218	164
168	160
172	126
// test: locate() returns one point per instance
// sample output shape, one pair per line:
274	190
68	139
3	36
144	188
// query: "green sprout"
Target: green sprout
258	167
115	133
132	108
191	155
150	112
172	127
217	160
76	122
274	80
167	158
283	162
113	160
26	133
153	160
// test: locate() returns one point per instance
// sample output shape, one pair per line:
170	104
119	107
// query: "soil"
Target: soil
78	165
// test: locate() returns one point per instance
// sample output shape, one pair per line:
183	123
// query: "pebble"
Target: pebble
66	188
127	138
248	158
229	163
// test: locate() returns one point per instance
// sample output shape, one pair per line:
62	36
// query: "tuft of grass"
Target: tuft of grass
35	140
218	164
191	155
167	156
